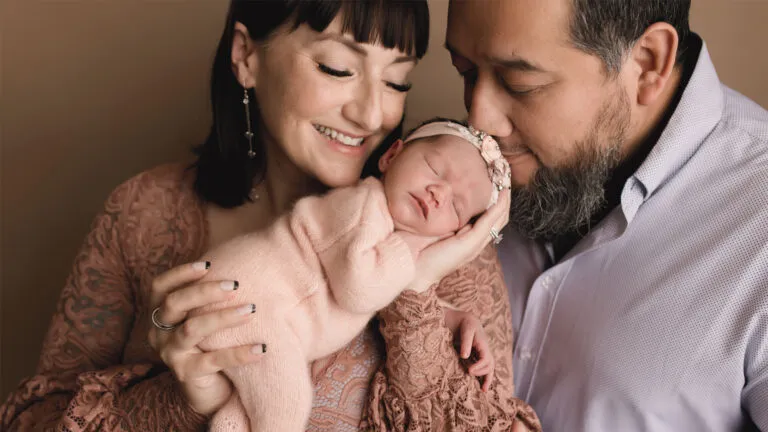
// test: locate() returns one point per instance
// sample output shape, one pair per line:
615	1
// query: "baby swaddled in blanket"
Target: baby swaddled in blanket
319	274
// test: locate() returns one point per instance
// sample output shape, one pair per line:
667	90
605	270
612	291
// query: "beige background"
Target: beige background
91	92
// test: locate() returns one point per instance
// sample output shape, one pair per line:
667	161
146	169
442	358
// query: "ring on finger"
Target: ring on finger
159	324
497	238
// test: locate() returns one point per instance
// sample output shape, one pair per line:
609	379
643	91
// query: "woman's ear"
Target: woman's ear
386	159
654	55
244	56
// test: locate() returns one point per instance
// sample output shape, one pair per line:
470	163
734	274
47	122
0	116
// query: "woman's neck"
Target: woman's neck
284	183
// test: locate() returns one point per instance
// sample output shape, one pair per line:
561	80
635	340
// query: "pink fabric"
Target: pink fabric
316	277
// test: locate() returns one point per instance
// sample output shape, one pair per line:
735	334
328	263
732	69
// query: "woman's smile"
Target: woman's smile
342	143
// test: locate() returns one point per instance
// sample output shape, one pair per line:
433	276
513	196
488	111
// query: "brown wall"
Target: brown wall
92	92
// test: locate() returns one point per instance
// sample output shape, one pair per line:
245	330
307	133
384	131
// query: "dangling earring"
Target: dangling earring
249	132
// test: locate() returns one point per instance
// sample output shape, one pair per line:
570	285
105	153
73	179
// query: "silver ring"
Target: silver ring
157	323
497	238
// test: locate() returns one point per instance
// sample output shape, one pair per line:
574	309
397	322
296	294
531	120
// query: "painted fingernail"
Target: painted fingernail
202	265
247	309
230	285
259	349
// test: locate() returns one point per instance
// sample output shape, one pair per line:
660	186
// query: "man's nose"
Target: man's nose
486	104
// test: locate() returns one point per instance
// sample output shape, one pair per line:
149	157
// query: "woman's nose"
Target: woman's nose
365	109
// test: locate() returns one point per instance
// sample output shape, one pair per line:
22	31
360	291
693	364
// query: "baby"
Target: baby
319	274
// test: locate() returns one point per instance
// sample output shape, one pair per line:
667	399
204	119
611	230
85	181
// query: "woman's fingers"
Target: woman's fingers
478	237
478	369
487	381
519	426
197	328
179	302
467	340
204	364
176	277
496	217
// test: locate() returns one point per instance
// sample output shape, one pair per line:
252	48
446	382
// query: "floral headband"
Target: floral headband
498	168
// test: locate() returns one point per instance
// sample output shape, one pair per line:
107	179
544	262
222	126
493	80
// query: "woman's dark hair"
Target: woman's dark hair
225	173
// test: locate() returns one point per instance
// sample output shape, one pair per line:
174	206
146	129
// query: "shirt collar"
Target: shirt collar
696	115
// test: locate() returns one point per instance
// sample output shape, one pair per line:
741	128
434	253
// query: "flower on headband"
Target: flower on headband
498	168
500	174
489	149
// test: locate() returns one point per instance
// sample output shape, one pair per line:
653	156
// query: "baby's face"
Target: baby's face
435	185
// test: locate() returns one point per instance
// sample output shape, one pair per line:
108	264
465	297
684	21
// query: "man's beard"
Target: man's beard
561	199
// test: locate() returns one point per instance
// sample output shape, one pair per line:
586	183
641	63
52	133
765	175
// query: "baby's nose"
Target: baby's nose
440	194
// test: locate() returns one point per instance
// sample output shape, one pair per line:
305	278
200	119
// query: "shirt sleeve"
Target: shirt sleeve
80	384
366	263
423	385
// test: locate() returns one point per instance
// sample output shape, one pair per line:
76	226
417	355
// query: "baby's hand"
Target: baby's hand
474	346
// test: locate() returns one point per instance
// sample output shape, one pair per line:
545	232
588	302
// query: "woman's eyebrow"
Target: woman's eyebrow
357	49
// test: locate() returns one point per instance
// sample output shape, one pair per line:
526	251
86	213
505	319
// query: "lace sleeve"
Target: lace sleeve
80	384
423	385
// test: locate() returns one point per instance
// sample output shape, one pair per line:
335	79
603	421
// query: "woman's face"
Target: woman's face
325	100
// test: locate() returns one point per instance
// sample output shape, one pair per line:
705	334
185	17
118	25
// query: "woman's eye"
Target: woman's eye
402	88
334	72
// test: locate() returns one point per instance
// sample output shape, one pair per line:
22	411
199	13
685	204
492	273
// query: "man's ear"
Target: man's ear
654	56
385	161
244	56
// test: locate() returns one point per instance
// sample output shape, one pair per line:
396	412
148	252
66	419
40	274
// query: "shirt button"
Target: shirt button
547	282
525	354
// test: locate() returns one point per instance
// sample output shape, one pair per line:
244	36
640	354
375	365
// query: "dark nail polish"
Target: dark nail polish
237	285
207	265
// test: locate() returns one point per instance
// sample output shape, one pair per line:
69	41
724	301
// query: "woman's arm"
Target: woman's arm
423	385
80	384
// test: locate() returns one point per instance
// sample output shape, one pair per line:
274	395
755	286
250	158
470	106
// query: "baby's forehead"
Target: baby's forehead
460	151
443	143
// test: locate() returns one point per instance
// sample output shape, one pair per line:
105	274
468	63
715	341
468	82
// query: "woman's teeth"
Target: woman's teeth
338	136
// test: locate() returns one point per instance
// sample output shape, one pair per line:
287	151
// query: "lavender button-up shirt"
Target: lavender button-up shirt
657	320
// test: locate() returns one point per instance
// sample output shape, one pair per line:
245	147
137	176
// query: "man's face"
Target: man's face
560	119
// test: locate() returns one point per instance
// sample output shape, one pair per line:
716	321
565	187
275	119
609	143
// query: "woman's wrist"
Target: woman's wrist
420	285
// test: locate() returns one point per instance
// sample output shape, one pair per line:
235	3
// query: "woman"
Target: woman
284	70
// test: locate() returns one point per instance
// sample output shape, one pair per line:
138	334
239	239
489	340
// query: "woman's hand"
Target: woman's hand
175	293
473	344
445	256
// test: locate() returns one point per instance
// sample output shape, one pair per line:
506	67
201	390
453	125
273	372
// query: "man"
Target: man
641	301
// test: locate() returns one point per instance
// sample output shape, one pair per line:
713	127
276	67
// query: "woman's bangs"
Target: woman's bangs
401	24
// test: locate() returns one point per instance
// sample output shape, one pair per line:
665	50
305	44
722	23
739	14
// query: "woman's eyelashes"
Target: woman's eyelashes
339	73
334	72
402	88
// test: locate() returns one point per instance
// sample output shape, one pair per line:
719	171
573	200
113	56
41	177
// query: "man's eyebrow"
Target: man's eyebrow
358	49
515	62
